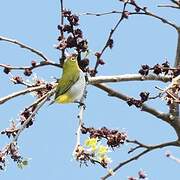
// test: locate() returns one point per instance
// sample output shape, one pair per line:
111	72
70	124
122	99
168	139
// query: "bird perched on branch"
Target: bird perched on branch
71	85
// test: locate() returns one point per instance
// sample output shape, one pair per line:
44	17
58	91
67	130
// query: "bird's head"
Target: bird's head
70	61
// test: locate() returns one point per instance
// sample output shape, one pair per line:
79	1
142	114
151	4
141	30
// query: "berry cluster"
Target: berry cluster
11	131
99	61
93	151
74	37
37	82
159	69
137	8
136	102
43	91
114	137
26	114
165	69
11	150
27	71
17	80
2	161
7	69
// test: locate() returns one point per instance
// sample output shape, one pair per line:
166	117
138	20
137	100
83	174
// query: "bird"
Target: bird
71	85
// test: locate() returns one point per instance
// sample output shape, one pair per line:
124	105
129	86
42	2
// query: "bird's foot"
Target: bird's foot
80	104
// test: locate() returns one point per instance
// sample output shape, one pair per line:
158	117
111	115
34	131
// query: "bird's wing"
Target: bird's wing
65	83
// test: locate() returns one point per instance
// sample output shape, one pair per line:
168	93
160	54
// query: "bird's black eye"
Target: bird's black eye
73	59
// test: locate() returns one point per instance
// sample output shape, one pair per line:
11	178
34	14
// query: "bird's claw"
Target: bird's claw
80	104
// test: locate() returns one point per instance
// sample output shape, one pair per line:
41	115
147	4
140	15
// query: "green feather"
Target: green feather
70	75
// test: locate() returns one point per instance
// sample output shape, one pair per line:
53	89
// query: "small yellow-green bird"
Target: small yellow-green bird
72	84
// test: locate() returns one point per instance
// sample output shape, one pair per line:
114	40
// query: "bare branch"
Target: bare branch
61	60
166	117
128	77
109	39
176	2
40	102
13	41
78	132
22	92
147	150
160	115
80	123
62	17
177	60
162	19
43	63
100	14
174	108
169	155
148	13
111	92
169	6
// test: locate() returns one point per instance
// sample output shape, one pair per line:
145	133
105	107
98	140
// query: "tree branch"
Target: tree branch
148	13
169	6
100	14
169	155
166	117
109	38
147	150
174	108
177	60
127	77
111	92
80	122
78	132
177	2
61	60
39	102
13	41
22	92
42	63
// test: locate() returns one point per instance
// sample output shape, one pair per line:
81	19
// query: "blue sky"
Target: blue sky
50	141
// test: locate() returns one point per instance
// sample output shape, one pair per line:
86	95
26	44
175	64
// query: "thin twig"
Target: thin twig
61	60
109	38
40	102
78	132
147	149
139	145
62	17
22	92
100	14
168	93
80	121
177	2
168	6
13	41
169	155
43	63
148	13
162	19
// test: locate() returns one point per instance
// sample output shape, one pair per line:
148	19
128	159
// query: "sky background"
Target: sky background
51	139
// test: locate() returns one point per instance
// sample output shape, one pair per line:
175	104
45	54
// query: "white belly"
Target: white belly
77	90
